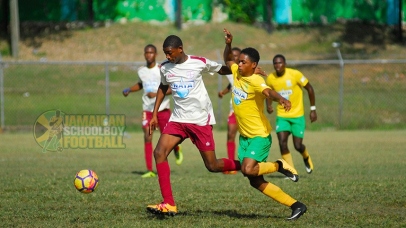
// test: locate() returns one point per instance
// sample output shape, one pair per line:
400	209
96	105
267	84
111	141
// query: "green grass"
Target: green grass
358	182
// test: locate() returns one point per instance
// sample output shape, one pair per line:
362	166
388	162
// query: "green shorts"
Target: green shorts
256	148
294	125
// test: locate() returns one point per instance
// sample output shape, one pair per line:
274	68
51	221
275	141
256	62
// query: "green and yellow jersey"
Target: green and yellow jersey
248	104
290	87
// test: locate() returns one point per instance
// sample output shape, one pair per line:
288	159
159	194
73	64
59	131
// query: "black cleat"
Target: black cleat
298	209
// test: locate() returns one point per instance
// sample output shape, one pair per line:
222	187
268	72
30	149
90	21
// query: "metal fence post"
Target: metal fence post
1	95
337	45
107	82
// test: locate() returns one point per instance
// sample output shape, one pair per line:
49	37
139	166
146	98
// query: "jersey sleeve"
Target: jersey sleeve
163	79
300	78
212	66
259	84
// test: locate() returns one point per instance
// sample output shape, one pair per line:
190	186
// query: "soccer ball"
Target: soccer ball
86	181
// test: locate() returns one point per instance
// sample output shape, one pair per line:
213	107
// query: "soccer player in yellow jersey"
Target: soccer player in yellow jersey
248	95
289	83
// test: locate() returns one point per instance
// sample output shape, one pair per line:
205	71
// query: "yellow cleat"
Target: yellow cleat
287	170
162	208
179	155
148	174
308	164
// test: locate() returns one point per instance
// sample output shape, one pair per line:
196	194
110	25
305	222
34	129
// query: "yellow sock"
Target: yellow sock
267	167
278	195
305	154
288	158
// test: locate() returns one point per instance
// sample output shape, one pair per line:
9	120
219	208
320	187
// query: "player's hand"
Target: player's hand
285	103
269	109
126	91
153	124
221	94
260	71
228	37
313	116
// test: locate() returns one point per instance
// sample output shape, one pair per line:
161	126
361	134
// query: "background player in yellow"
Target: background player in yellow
248	95
289	83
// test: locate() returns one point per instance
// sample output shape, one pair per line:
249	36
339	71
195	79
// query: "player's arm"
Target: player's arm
269	107
312	99
272	94
133	88
160	95
228	54
225	91
152	94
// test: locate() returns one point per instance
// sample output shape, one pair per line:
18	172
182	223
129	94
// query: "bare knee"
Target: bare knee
249	170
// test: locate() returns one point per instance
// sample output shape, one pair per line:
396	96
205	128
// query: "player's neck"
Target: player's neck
183	59
151	65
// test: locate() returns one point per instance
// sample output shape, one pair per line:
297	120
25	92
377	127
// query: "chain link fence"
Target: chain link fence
351	94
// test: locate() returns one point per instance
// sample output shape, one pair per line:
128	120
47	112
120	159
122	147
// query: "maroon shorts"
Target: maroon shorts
231	118
201	136
163	118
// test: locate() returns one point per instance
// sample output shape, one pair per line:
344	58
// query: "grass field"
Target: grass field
358	181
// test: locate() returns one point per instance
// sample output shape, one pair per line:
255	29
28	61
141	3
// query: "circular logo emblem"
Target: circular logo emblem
48	131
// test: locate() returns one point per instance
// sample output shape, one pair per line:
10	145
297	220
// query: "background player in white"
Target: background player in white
149	80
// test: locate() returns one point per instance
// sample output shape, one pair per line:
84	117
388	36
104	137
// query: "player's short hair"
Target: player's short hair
172	41
236	49
252	54
279	56
150	46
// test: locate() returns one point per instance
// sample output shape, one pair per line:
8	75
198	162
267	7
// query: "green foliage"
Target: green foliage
241	11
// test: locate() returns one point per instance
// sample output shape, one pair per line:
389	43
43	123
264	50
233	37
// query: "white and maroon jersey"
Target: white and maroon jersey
192	102
231	80
150	79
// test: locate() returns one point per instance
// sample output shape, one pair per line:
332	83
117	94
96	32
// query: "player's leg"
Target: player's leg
171	136
232	129
202	137
277	194
231	134
298	129
163	119
148	148
255	164
283	130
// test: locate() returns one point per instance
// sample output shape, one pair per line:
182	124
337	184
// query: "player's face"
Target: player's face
236	55
245	66
279	66
149	54
172	54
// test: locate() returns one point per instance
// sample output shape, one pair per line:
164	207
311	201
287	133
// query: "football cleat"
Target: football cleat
179	155
163	208
287	170
308	164
298	209
148	174
230	172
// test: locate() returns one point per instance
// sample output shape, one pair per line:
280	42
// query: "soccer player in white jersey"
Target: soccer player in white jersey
149	80
192	116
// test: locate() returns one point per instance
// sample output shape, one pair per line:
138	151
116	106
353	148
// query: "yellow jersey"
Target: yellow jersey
290	87
248	104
